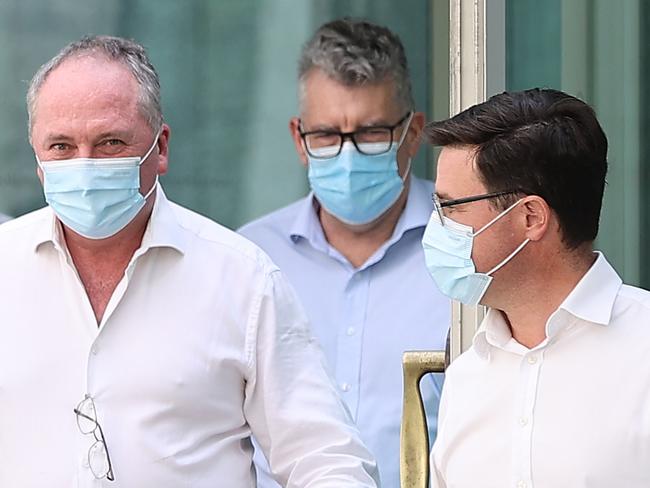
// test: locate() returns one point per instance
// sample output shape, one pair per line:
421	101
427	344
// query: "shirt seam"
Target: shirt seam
252	326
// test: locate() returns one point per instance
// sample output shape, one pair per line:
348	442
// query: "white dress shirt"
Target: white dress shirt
202	343
573	412
364	317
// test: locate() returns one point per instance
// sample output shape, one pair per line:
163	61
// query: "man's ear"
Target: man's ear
414	134
163	149
294	129
537	215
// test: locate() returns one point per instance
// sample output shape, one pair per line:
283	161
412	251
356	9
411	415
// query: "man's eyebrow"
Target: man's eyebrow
331	128
321	128
115	133
56	136
443	196
375	123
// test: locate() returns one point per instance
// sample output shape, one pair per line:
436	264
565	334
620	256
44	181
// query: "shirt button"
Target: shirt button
351	331
94	350
523	421
521	484
532	359
345	386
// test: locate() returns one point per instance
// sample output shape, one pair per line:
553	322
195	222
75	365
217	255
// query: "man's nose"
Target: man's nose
85	151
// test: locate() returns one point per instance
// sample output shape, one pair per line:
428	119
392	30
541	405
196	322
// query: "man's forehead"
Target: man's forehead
456	174
92	107
84	83
89	74
328	101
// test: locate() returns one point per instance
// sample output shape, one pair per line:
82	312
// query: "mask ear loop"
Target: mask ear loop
401	141
144	158
153	187
497	218
148	153
513	253
506	260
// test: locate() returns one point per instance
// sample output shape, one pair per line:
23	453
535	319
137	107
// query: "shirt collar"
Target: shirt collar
50	231
163	229
494	331
417	211
306	225
416	214
591	300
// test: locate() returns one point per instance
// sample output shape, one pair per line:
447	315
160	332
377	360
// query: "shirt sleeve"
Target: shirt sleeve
291	403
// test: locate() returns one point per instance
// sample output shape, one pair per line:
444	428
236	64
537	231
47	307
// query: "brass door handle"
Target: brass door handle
414	437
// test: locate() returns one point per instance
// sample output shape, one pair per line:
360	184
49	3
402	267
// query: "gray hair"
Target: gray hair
355	53
129	53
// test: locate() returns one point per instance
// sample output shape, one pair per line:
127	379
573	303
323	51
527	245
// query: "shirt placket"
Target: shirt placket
524	421
350	339
80	303
96	350
95	360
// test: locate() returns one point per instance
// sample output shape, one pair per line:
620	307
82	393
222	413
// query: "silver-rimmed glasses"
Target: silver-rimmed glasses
98	458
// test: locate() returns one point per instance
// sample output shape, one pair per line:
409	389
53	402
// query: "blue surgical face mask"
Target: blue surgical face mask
95	197
448	256
358	188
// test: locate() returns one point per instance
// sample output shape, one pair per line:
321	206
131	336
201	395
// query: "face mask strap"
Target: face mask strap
153	187
401	141
408	170
497	217
506	260
405	131
155	142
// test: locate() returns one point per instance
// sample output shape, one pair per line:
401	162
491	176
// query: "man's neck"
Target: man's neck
101	264
124	243
528	313
358	243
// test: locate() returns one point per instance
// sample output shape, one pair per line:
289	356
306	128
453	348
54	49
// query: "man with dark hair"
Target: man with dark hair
141	343
555	390
351	248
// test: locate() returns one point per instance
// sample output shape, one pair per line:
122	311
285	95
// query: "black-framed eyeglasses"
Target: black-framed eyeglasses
325	144
439	205
98	459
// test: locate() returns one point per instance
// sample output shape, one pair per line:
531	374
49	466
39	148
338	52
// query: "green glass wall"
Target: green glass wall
228	72
598	51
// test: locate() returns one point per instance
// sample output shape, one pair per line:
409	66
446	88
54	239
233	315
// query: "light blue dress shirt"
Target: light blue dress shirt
364	317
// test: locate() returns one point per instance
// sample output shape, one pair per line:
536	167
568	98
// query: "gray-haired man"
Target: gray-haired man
352	247
140	342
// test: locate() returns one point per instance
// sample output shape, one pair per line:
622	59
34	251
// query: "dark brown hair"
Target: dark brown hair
539	142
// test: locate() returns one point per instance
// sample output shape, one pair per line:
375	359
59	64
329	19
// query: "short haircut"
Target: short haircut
539	142
355	53
131	54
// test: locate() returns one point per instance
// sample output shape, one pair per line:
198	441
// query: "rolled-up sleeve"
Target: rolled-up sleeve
291	404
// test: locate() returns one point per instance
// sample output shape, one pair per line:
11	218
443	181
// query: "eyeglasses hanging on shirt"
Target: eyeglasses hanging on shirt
99	461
